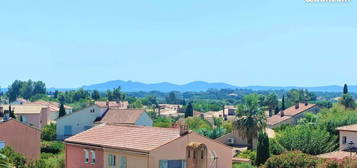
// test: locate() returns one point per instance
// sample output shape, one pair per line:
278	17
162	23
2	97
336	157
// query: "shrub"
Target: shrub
242	165
49	132
292	159
248	154
15	158
346	162
53	147
307	139
275	147
163	122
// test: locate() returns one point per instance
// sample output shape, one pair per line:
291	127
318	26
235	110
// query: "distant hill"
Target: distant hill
131	86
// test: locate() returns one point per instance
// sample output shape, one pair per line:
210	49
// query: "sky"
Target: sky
70	43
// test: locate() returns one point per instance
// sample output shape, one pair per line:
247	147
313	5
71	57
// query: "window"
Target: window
86	156
93	157
172	163
111	160
24	119
68	130
122	162
344	140
92	110
2	144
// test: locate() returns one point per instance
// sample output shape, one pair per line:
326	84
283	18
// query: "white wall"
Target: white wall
78	120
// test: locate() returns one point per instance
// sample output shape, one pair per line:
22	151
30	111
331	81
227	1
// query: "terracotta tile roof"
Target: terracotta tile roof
53	106
348	128
25	109
121	116
275	119
127	137
291	111
121	104
288	113
336	155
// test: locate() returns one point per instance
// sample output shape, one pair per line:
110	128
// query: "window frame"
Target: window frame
93	160
344	140
86	156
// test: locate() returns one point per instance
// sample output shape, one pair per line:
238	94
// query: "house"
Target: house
19	101
53	108
235	140
21	138
292	114
86	118
34	115
125	116
347	143
77	122
112	104
131	146
170	110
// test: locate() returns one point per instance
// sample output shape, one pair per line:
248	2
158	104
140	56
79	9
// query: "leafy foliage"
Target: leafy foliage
248	154
275	147
292	159
242	165
250	119
163	122
307	139
17	159
49	132
4	162
53	147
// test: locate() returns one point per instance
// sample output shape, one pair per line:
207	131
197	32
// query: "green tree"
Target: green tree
172	99
345	89
348	101
109	95
62	110
95	95
14	90
17	159
189	110
272	102
11	112
39	87
55	95
283	103
263	152
49	132
250	119
117	94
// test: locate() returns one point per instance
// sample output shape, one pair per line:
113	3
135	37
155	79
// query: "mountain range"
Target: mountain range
131	86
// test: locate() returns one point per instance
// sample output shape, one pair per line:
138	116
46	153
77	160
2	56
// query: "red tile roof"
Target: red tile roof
127	137
122	116
53	106
288	113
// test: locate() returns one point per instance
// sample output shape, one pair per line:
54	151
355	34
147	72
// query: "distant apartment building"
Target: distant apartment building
130	146
53	108
292	114
21	137
112	104
172	110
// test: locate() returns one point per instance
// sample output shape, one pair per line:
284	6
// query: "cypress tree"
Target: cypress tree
189	110
62	111
345	89
11	113
262	148
283	103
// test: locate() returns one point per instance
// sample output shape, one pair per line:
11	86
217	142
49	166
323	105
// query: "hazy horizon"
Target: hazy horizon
69	44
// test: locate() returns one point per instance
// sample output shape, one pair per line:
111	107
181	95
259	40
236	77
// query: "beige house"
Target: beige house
170	110
53	108
348	142
34	115
132	146
292	114
235	140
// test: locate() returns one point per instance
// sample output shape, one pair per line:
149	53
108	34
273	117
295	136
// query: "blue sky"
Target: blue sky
272	42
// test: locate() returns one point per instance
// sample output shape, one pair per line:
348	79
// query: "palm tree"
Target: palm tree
4	162
250	119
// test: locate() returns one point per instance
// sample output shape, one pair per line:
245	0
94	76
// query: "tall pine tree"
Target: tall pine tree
262	148
345	89
189	110
62	111
283	103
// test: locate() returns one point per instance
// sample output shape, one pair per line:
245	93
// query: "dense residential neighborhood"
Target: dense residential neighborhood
88	128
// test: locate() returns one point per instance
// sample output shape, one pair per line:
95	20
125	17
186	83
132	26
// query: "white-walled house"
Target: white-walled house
86	118
76	122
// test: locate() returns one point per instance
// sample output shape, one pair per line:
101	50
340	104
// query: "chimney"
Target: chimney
183	130
282	113
297	105
306	103
107	103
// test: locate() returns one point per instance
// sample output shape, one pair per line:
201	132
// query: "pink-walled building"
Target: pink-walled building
21	138
130	146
